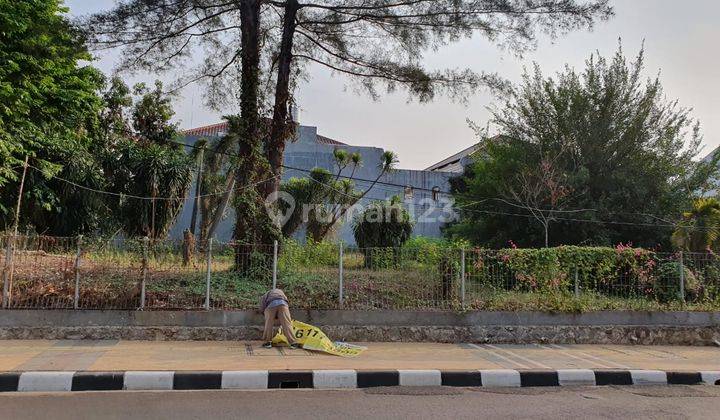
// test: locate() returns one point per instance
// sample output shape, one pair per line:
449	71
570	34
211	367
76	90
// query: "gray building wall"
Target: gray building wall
308	152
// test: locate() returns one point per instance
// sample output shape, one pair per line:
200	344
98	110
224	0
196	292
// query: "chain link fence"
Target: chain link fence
41	272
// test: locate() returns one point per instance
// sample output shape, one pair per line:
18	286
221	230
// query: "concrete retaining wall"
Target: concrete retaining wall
686	328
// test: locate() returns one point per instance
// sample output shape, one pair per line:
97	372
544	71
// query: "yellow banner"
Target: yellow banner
312	338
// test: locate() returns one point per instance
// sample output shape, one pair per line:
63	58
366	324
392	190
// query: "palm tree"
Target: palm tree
700	227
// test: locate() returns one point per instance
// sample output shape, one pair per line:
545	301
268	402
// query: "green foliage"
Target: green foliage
144	162
699	229
147	170
48	105
623	271
322	199
152	113
381	230
383	224
312	254
668	282
627	154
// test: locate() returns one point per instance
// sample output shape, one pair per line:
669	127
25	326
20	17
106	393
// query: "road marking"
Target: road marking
499	356
249	379
610	363
584	360
500	378
333	379
148	381
420	378
576	377
511	353
45	381
648	377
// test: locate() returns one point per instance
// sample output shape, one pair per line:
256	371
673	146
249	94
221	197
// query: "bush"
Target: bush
667	284
382	225
312	254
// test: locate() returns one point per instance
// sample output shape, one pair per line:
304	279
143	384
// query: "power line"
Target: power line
123	195
378	182
310	171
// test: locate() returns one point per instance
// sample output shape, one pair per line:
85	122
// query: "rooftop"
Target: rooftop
219	129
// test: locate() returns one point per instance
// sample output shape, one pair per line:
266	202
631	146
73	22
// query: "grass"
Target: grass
112	281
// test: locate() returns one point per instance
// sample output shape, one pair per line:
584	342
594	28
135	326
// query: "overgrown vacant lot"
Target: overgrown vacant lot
421	276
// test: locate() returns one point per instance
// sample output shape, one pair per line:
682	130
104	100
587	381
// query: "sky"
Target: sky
681	45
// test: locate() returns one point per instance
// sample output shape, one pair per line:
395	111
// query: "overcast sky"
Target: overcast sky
681	42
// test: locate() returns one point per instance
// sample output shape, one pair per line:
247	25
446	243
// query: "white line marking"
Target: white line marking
519	356
567	353
710	377
249	379
500	378
610	363
334	379
45	381
500	356
576	377
648	377
148	380
420	378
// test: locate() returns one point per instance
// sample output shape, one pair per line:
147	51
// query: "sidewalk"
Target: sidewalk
65	355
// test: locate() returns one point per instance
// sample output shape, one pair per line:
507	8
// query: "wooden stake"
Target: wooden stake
15	232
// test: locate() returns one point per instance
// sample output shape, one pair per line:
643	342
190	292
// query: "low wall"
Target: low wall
675	328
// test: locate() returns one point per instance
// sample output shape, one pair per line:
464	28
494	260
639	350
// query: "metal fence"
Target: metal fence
41	272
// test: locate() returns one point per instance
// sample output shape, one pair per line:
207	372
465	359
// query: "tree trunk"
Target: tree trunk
279	130
198	191
253	225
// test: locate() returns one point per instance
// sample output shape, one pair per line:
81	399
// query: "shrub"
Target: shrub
667	284
382	225
312	254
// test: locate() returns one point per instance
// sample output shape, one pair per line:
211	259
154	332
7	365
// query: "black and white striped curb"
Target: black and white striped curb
339	379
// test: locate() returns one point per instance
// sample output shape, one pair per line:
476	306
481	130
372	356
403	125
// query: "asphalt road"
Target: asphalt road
418	403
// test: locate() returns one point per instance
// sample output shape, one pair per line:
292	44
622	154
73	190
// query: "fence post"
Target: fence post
76	298
146	240
682	278
275	260
462	276
340	266
208	273
577	283
6	271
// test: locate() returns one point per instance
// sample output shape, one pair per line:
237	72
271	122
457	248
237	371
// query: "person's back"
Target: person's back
275	306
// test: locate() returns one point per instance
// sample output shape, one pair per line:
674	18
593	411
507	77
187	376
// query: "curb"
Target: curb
339	379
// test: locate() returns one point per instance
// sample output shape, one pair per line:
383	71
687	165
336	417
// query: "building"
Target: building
456	163
422	190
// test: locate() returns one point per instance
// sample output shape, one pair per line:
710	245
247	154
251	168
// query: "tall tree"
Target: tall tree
141	158
627	153
48	105
376	42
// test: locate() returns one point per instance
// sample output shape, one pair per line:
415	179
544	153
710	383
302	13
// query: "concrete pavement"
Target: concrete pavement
67	355
650	402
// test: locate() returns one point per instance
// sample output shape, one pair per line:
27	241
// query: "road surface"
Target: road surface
701	402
